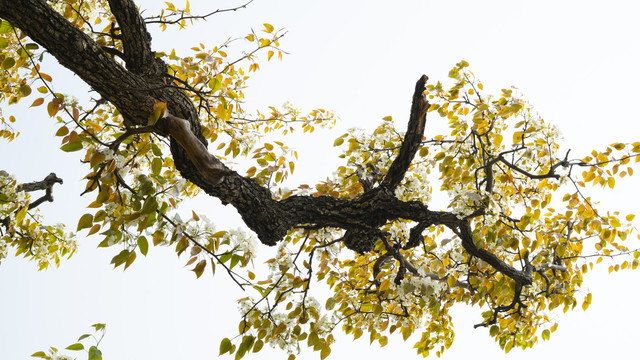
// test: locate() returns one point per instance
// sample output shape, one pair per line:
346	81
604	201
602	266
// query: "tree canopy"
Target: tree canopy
515	236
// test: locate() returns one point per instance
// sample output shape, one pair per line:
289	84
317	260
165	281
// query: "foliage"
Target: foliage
93	353
23	228
516	235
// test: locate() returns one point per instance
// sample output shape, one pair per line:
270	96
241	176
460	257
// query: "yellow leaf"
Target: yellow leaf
325	352
268	28
159	110
497	140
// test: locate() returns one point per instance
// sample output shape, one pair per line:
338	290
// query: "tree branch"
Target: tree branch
412	139
136	40
46	184
209	166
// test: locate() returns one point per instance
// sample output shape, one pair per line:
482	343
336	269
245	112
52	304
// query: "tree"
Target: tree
393	264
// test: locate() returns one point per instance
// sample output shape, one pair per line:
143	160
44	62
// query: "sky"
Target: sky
576	61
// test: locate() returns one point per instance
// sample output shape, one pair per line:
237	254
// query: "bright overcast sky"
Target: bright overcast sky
576	61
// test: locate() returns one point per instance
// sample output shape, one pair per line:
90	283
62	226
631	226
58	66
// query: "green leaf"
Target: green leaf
494	330
3	43
150	205
545	334
85	222
120	258
245	345
40	354
156	150
94	353
331	302
258	346
215	85
156	166
5	27
75	347
143	244
225	345
8	63
71	146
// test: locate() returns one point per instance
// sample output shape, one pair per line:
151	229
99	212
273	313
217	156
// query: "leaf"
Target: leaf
8	63
545	334
38	102
75	347
268	28
40	354
156	166
497	140
199	269
325	352
85	222
120	258
5	27
494	330
143	245
159	110
215	85
52	108
258	346
150	205
130	259
331	302
72	146
25	90
225	346
94	229
94	353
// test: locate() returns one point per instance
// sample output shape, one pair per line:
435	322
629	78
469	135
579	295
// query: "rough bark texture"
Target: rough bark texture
135	89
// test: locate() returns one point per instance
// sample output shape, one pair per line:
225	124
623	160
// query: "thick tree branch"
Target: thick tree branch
136	40
412	139
77	52
209	166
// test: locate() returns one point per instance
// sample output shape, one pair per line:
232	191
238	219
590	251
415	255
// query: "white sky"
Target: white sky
576	61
